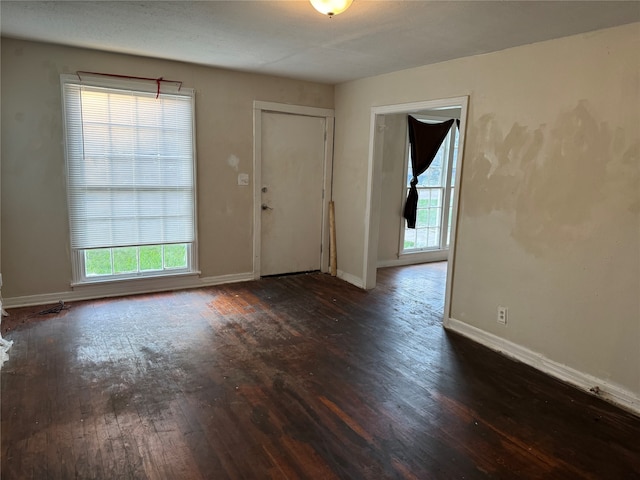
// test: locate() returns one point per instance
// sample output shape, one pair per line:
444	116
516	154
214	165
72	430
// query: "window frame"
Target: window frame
78	265
446	191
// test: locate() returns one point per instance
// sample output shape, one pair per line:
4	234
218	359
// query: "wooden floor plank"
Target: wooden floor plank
294	377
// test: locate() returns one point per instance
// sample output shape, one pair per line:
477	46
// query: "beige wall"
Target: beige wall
394	157
35	240
550	193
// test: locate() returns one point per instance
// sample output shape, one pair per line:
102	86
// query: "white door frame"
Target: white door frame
328	115
374	180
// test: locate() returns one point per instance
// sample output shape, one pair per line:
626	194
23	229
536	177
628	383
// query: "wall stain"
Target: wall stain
234	162
628	178
556	201
52	72
499	165
555	180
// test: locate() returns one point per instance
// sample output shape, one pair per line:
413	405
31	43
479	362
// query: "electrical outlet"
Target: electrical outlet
502	315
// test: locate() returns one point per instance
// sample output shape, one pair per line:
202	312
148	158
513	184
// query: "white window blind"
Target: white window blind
130	163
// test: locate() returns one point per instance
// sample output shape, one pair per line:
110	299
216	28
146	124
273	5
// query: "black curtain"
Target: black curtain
425	140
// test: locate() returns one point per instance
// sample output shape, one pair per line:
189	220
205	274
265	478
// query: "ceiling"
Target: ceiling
289	38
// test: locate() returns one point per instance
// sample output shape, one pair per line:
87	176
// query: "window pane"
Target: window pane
409	238
130	165
126	146
428	218
422	217
421	238
125	260
434	218
432	186
429	207
146	259
432	177
151	258
432	237
97	262
175	256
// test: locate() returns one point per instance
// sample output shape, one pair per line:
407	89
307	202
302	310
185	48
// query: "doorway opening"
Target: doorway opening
386	123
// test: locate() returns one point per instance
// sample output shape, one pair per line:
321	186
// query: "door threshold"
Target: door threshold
276	275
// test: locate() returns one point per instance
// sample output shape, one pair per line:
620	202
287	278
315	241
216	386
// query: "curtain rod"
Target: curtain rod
129	77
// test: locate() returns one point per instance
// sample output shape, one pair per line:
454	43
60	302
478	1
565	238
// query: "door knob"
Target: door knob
266	207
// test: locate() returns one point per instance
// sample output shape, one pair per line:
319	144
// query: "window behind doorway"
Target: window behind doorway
435	199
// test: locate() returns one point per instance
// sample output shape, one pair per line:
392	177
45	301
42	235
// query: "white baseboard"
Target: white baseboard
119	289
352	279
584	381
415	259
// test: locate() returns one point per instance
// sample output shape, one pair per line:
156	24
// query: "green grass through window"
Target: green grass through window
127	260
175	256
151	258
98	262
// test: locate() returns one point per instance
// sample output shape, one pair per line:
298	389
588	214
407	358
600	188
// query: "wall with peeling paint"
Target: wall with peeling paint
549	221
35	238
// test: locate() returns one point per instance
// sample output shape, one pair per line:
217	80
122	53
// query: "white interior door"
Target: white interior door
291	194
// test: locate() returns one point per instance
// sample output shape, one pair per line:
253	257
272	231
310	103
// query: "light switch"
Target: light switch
243	179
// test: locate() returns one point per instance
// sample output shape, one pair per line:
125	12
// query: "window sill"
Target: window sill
426	250
425	255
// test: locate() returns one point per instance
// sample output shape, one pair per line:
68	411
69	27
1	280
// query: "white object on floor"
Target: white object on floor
5	345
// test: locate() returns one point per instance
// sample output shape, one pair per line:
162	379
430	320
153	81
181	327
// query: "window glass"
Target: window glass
131	180
432	209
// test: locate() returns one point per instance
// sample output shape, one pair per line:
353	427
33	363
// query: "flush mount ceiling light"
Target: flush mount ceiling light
331	7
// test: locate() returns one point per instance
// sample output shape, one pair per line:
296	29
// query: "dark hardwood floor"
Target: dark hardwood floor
297	377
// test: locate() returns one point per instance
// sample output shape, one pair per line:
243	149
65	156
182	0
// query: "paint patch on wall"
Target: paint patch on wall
555	205
498	166
233	162
626	175
557	181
